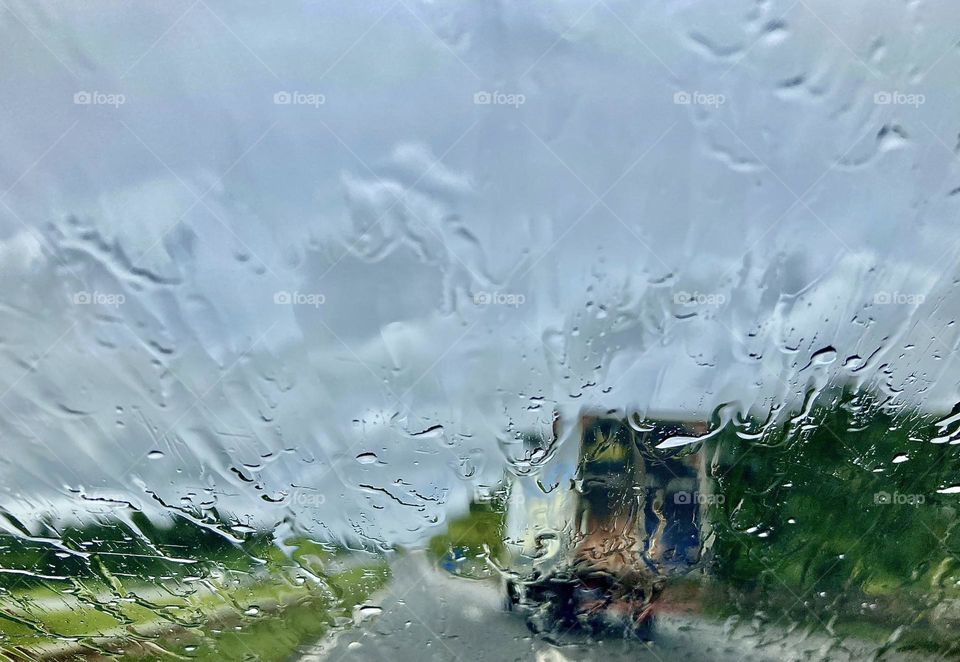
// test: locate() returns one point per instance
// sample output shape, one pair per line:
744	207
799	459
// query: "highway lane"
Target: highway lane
427	615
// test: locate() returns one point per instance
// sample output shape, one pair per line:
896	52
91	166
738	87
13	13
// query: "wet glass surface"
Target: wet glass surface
417	330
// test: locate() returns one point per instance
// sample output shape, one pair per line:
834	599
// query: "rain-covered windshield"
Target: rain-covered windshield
419	330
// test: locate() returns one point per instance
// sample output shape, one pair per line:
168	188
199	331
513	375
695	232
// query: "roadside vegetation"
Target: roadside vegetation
471	538
844	519
140	590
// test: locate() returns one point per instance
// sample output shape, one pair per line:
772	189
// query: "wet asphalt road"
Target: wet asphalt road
428	615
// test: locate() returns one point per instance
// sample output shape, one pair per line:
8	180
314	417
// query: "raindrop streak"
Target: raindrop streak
363	612
824	356
432	432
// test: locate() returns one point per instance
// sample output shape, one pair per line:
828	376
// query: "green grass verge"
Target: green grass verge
203	626
273	636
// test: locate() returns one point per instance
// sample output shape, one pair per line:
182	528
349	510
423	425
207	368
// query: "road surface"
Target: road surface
427	615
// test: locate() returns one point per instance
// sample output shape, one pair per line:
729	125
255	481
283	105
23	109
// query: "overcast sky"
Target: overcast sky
243	244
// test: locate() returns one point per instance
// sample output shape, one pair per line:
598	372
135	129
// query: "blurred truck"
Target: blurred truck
607	521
